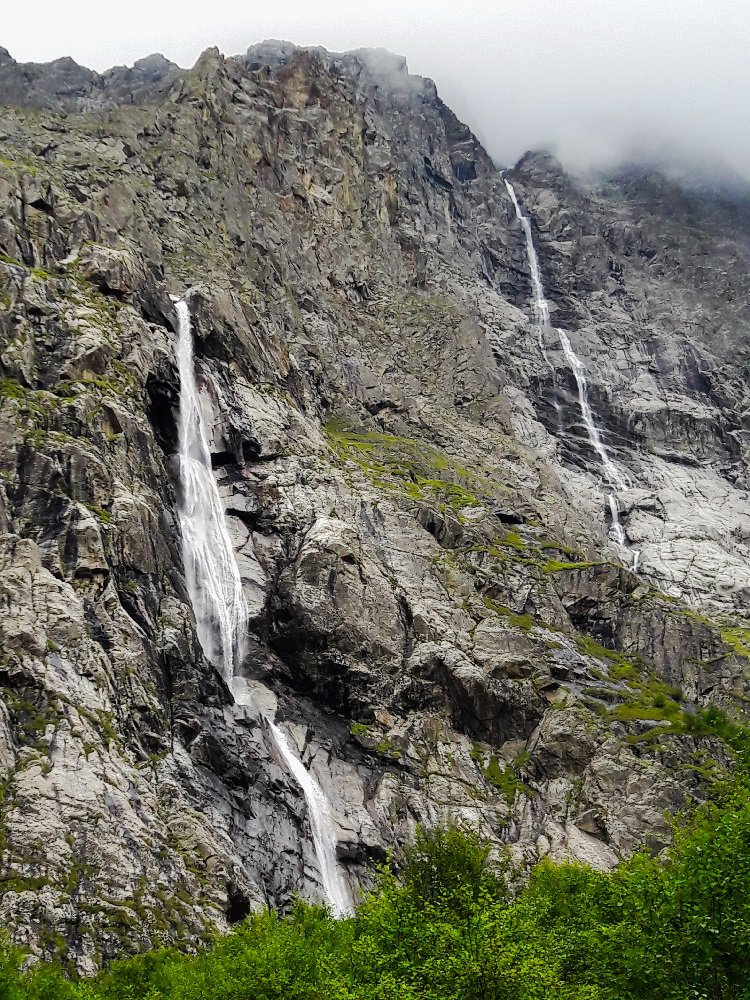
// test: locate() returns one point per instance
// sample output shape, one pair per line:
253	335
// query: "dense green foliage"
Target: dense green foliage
446	927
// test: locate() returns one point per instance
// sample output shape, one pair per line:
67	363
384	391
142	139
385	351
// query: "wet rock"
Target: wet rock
435	610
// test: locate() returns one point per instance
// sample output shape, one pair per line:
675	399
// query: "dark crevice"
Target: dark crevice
508	517
238	905
250	518
163	403
94	627
251	452
219	459
111	293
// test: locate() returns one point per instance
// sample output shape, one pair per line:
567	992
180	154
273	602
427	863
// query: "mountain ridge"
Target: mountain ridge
434	605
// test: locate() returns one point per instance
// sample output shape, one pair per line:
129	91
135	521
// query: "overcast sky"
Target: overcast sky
590	79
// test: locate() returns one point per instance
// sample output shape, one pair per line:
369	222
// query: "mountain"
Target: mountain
454	611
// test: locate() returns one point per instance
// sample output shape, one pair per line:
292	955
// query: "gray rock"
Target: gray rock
436	614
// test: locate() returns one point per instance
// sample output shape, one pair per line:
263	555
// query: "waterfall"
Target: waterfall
215	589
211	571
617	529
541	307
324	838
614	478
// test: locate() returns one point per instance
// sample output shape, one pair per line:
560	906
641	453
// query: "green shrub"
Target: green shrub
444	925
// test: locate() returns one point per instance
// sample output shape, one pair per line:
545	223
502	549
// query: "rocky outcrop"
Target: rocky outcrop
64	85
436	614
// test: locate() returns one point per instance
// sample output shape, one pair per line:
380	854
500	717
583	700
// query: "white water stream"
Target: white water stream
211	571
541	307
321	823
614	478
215	588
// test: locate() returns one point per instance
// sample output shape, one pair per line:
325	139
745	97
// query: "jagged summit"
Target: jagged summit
64	85
270	52
274	52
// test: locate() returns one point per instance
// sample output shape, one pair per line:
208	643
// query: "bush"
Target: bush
445	926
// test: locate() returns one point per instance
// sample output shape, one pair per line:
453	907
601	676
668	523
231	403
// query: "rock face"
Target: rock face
435	611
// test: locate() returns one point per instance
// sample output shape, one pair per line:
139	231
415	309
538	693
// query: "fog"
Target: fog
591	80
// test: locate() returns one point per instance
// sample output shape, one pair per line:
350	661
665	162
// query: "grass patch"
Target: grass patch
38	403
507	780
100	383
386	748
524	622
555	566
738	639
514	540
104	515
406	467
648	713
12	389
643	696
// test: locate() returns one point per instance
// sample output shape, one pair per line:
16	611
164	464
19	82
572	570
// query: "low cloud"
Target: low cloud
595	81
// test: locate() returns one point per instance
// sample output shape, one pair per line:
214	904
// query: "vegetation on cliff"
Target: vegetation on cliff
448	926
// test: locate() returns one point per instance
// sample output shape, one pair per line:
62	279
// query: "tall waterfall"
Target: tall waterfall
215	588
213	577
614	478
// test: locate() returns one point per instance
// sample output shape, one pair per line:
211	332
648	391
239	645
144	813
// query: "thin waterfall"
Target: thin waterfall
211	571
321	824
541	307
612	475
215	589
617	529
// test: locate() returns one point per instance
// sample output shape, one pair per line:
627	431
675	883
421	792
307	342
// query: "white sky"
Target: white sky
588	78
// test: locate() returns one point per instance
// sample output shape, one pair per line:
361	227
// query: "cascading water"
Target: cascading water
541	308
613	476
215	588
324	838
211	571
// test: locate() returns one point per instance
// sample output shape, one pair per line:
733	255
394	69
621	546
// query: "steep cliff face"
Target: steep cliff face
436	613
654	284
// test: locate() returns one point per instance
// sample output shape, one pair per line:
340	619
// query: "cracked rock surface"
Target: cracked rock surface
436	613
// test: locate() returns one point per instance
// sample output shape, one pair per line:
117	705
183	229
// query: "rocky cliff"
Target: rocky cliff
436	611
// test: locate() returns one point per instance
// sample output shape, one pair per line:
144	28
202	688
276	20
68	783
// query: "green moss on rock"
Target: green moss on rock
406	467
506	780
